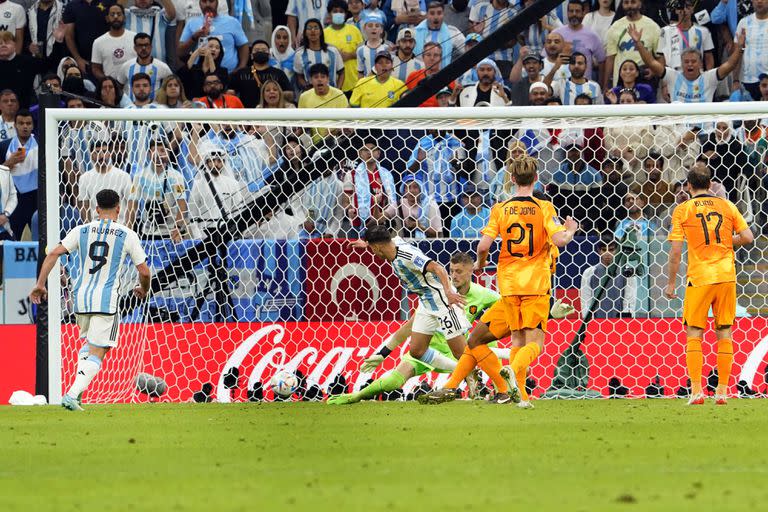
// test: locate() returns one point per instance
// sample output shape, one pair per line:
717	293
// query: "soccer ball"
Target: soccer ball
284	383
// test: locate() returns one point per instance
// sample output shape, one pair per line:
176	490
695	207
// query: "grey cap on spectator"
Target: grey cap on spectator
405	33
533	56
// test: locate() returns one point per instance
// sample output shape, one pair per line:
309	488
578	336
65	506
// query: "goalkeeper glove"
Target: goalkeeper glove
560	310
371	363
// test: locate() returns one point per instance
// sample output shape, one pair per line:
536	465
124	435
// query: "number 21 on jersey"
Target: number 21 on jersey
517	246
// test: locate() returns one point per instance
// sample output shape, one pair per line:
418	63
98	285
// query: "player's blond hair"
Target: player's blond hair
521	171
508	181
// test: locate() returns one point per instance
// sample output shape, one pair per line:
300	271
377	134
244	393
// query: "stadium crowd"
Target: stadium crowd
178	179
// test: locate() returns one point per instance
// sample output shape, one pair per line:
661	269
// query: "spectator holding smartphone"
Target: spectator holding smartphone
205	59
19	154
227	29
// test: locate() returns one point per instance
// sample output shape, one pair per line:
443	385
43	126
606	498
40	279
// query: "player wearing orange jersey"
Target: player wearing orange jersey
528	228
707	223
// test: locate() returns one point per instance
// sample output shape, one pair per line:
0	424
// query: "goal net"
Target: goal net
246	218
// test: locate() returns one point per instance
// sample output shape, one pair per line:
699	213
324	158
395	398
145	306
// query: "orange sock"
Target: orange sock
694	359
512	353
524	358
466	364
724	363
490	364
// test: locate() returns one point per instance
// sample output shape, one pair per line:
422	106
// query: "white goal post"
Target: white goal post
680	117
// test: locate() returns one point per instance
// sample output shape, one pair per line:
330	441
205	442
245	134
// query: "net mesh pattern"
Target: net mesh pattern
247	228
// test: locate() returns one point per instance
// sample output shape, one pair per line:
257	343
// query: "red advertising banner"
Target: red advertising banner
348	284
188	355
17	366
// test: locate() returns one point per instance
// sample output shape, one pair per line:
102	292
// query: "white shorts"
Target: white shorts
451	322
99	330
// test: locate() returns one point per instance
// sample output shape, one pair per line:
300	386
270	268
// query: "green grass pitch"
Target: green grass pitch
562	456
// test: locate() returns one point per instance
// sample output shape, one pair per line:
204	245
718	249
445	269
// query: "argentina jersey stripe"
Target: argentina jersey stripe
679	82
92	277
699	91
755	58
305	62
98	278
371	57
410	266
113	278
416	285
81	266
749	60
699	35
332	68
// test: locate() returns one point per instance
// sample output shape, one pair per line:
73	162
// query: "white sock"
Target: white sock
86	371
437	360
442	362
501	353
84	352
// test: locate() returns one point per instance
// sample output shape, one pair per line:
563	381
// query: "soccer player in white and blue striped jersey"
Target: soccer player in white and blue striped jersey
440	305
100	248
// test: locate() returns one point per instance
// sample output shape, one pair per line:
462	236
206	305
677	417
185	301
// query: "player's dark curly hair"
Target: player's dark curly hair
107	199
377	234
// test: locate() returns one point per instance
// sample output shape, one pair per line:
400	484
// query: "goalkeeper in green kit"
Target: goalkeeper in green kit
438	357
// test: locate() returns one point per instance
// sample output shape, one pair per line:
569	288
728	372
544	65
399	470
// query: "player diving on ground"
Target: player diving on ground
492	327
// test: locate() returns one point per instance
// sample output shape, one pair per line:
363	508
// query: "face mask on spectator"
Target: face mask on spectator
261	57
338	18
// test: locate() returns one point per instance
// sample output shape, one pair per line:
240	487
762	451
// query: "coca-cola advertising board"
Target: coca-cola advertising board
188	355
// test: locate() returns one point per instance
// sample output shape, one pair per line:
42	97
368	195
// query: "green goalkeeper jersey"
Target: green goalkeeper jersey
479	298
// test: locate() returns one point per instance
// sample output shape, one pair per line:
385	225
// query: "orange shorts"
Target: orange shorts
526	311
495	318
722	298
